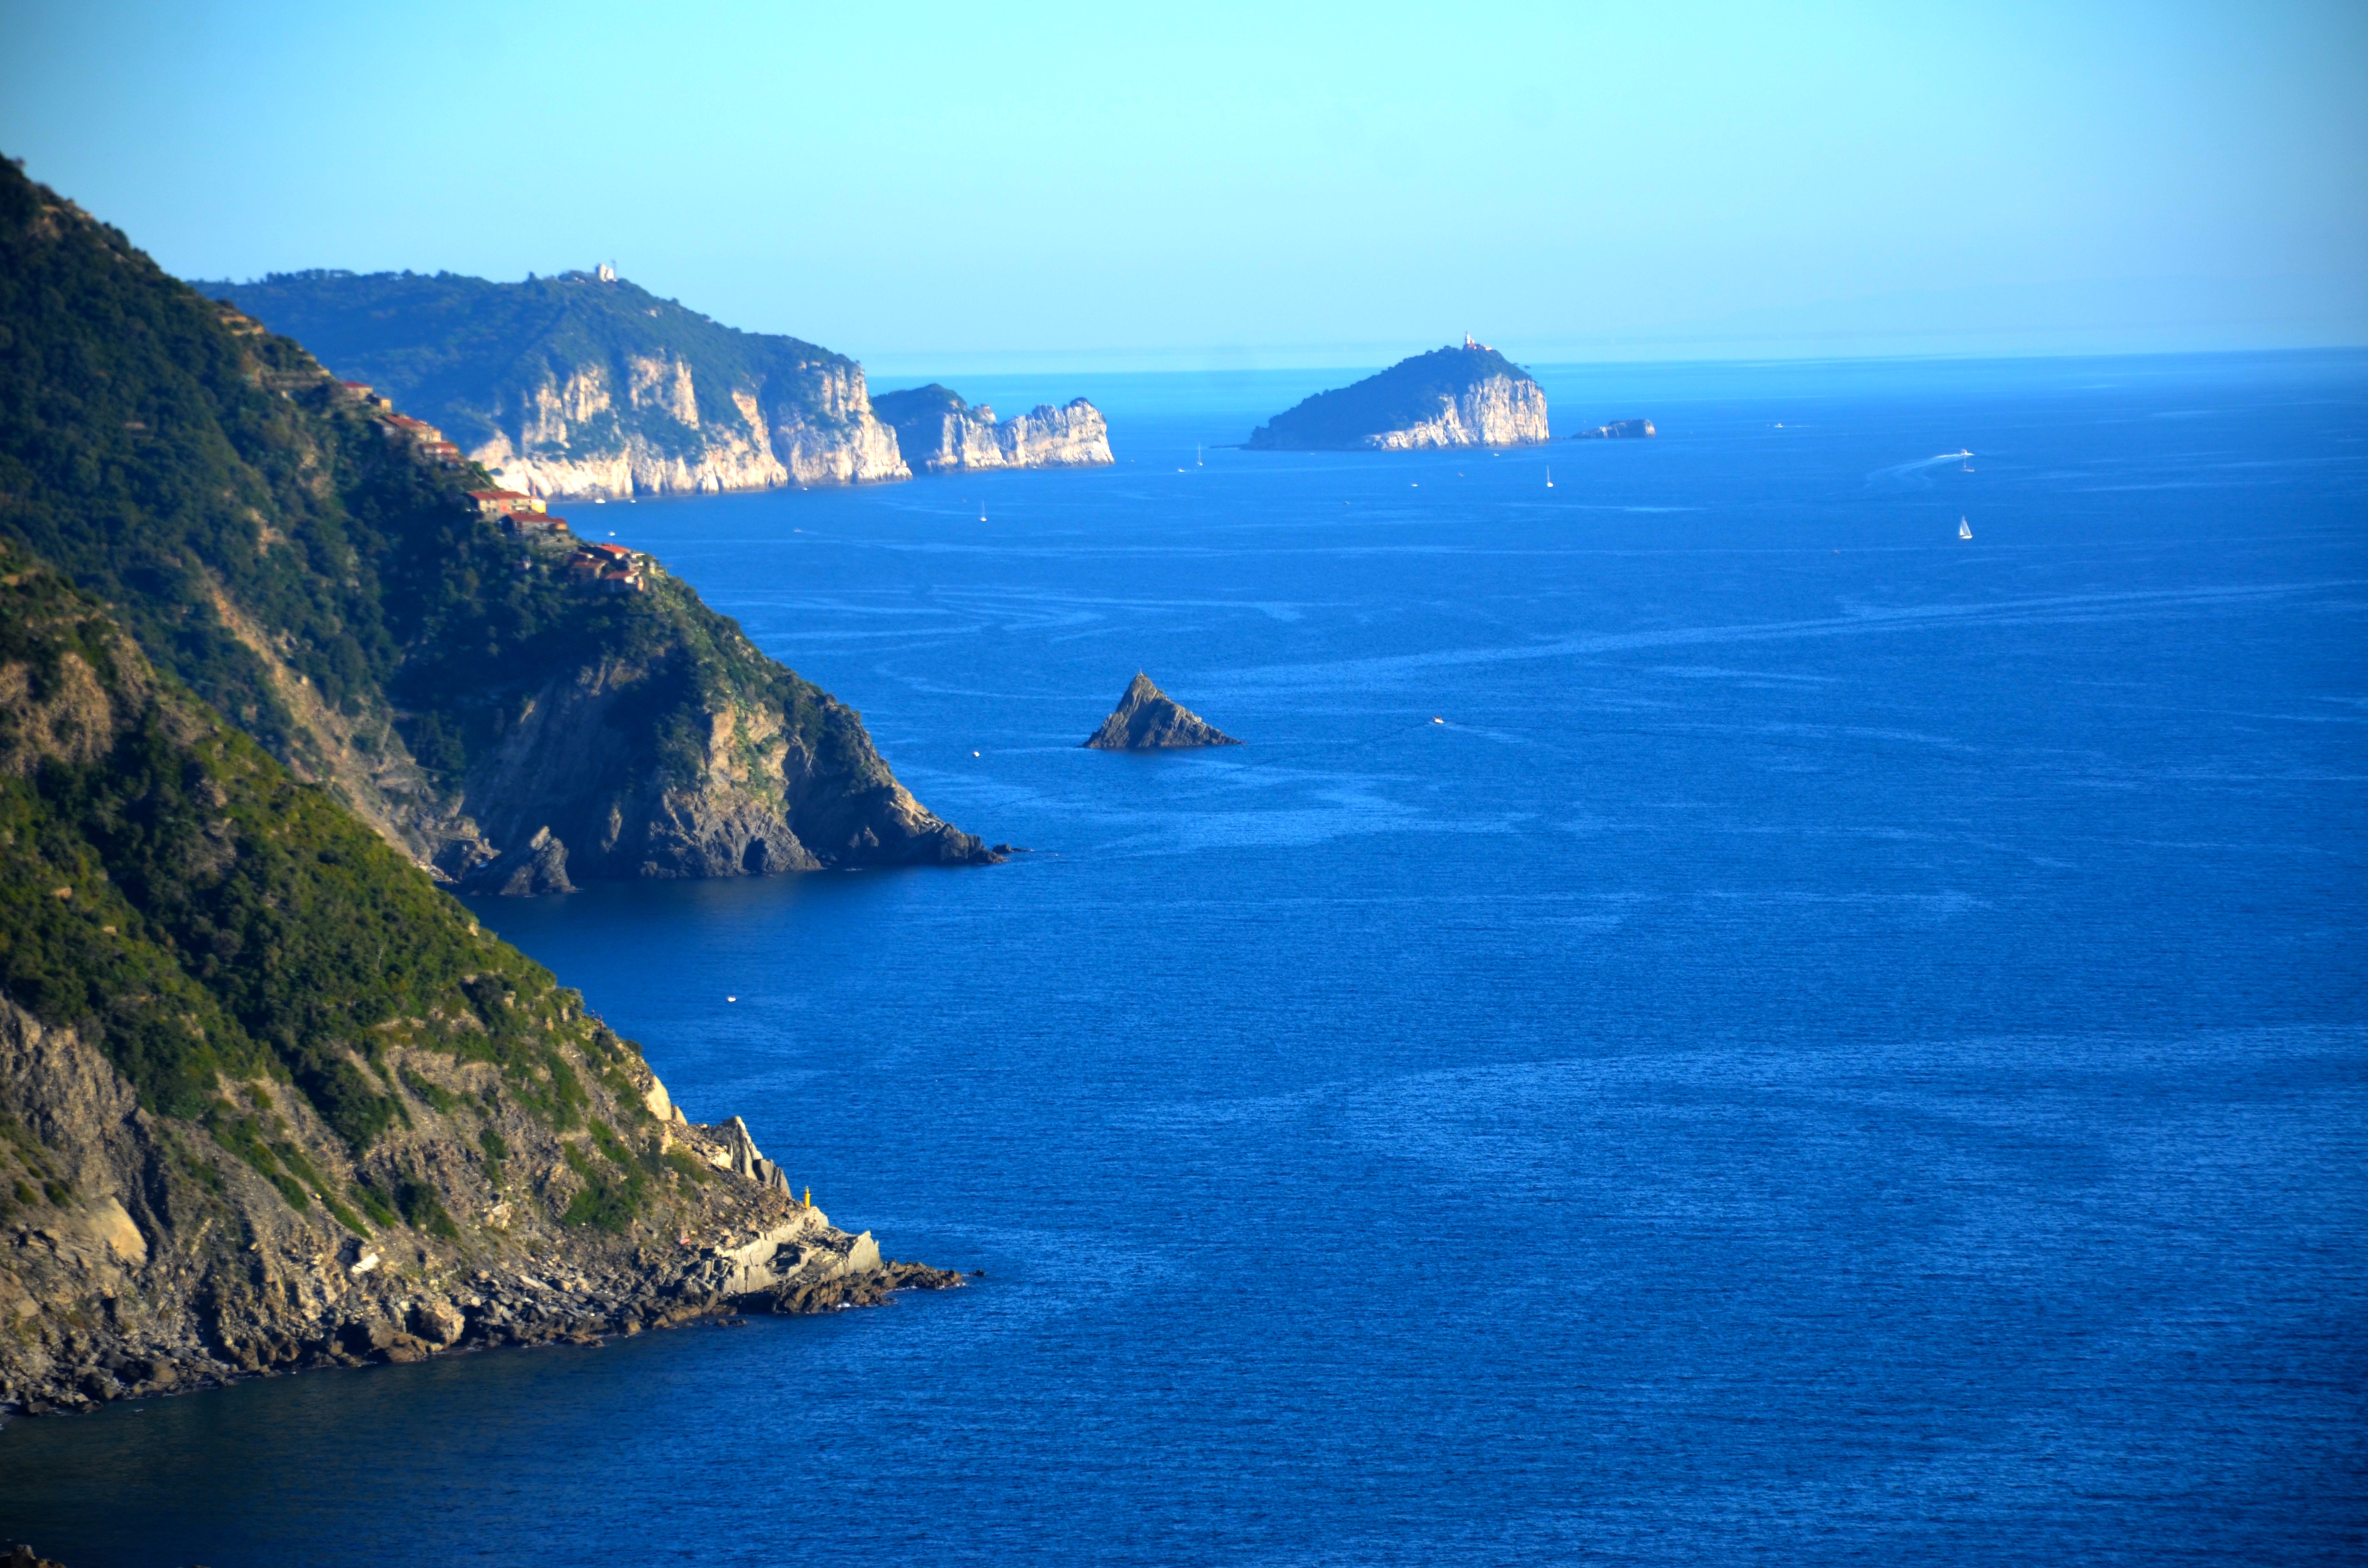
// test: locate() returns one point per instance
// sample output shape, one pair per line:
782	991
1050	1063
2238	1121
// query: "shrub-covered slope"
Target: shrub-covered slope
271	1098
333	592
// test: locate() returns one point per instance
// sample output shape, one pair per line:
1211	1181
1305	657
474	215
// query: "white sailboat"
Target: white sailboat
1196	456
1549	476
1964	528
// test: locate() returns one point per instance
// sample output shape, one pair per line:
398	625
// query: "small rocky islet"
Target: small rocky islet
1147	719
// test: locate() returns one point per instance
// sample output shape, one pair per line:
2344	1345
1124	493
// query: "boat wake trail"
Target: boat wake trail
1916	476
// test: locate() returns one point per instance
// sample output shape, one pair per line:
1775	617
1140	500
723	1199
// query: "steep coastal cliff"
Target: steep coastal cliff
269	1099
314	567
585	384
937	431
1471	396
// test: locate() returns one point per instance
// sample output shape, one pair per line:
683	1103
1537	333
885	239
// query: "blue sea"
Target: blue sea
1712	1019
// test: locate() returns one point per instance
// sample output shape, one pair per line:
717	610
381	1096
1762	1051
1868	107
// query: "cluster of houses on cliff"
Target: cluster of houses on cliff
603	568
607	568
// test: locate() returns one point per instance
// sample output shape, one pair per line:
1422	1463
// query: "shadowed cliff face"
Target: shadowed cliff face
1471	396
585	384
269	1099
323	582
937	431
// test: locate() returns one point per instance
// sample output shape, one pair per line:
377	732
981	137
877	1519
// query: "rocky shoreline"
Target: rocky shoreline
142	1320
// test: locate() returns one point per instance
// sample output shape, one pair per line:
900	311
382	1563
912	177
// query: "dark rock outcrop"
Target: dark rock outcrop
1147	719
537	866
1471	396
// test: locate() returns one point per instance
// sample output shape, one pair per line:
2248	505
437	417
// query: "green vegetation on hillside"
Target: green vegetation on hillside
169	891
453	348
236	509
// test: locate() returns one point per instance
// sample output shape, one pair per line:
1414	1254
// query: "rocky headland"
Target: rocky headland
1471	396
269	1099
1147	719
937	432
586	385
505	704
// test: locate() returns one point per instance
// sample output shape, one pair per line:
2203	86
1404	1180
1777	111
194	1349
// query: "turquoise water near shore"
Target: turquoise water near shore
1846	1045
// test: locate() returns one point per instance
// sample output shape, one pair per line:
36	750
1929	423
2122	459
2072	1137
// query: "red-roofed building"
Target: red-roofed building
504	502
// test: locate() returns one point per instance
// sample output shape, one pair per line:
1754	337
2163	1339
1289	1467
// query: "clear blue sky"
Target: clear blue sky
1008	185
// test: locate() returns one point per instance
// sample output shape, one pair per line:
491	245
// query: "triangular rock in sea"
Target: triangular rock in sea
1147	719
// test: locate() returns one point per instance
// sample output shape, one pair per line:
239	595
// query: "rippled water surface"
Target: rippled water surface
1845	1045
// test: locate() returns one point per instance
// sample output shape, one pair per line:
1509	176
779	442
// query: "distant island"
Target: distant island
1617	430
1147	719
937	431
1471	396
587	385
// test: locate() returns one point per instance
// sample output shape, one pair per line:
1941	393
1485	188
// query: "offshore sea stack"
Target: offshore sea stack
1471	396
937	433
1147	719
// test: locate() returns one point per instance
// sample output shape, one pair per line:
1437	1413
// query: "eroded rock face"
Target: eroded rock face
537	866
781	777
1497	411
821	430
937	431
1147	719
150	1260
585	384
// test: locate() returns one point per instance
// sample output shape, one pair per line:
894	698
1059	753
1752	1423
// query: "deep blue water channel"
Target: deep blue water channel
1847	1046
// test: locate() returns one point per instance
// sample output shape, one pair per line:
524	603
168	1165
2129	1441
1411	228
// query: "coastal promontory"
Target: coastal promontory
1147	719
584	384
1467	396
937	432
510	705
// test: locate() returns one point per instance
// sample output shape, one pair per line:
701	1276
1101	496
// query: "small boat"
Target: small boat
1549	478
1196	456
1964	528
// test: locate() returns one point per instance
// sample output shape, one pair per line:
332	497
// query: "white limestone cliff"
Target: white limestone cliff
1497	411
575	436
